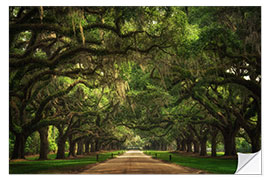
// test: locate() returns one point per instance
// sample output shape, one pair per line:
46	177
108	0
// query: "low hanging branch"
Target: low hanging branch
16	28
68	54
37	78
38	114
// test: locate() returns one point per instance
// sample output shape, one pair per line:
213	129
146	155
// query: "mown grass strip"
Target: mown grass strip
209	164
33	166
218	153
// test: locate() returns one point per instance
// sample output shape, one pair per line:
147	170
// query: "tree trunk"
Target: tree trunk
160	147
203	147
255	137
87	150
178	145
255	143
61	148
97	145
196	146
80	147
183	145
101	147
18	151
189	146
254	132
164	147
229	144
154	145
71	147
44	144
92	147
213	146
109	146
214	132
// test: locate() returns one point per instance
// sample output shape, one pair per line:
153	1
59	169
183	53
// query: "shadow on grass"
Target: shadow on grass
57	166
216	165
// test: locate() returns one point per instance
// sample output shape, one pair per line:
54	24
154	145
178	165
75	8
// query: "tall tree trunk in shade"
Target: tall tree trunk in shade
44	143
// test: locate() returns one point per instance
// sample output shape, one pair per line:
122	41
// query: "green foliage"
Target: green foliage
220	147
145	73
11	143
52	135
242	145
32	144
40	54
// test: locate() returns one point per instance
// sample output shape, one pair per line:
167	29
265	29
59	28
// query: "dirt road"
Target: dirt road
135	162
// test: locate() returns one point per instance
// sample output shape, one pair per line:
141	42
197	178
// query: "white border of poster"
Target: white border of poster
252	164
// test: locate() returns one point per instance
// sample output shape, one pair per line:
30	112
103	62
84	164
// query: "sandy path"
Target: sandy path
135	162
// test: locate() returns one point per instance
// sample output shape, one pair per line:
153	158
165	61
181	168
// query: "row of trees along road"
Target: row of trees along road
95	74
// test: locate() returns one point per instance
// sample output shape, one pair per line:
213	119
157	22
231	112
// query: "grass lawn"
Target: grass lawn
50	156
218	153
33	166
209	164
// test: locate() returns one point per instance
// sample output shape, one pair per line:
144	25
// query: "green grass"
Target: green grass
218	153
33	166
50	156
211	165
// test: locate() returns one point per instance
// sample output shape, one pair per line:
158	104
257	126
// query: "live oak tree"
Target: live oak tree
218	63
167	71
47	42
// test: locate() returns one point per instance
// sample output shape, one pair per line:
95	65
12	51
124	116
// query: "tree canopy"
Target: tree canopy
112	77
